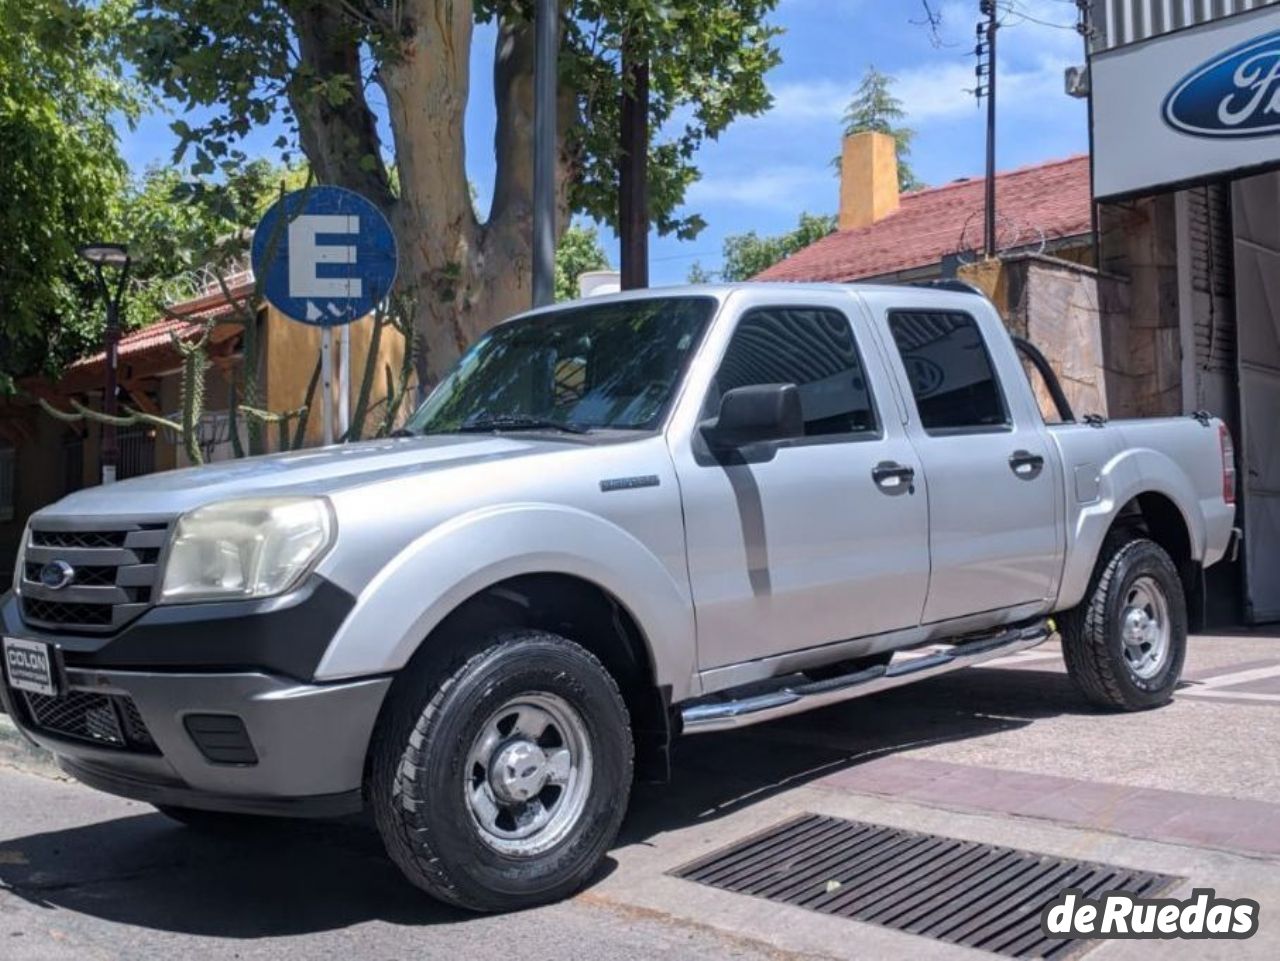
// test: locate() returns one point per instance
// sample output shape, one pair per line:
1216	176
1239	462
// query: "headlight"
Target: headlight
246	548
20	562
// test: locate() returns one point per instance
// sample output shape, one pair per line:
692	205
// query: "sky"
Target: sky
764	171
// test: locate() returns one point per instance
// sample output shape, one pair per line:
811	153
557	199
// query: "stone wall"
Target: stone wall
1142	345
1063	308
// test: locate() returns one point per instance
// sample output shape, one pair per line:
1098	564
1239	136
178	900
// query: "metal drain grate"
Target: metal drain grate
977	895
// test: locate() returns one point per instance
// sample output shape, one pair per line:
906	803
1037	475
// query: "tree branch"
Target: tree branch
338	130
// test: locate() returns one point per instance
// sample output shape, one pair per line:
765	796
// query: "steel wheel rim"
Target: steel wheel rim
1145	627
528	774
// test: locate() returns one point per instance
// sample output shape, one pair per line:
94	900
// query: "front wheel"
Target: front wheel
1126	642
499	782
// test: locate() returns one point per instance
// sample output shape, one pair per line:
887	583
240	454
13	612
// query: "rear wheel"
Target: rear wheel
1126	642
500	780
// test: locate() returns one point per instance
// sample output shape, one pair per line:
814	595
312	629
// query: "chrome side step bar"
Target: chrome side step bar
724	713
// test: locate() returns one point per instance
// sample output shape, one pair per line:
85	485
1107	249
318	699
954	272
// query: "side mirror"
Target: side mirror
761	412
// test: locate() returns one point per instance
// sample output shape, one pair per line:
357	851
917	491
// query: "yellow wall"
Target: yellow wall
290	357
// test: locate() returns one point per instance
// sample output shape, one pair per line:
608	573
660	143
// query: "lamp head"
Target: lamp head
105	255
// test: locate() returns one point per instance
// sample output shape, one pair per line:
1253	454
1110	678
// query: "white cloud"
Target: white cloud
1033	56
801	101
780	187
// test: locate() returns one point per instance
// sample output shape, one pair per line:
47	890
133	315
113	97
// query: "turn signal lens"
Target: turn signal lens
1228	465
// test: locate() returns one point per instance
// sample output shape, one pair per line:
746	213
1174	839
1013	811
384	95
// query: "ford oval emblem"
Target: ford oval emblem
57	574
925	375
1236	94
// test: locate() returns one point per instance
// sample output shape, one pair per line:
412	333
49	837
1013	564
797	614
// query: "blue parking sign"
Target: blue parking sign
326	256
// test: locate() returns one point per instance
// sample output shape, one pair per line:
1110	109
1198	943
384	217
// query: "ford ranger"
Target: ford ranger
614	522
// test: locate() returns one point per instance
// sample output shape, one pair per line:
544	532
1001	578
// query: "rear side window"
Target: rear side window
950	370
811	348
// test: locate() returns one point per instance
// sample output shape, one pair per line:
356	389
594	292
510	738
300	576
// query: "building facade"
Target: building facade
1185	127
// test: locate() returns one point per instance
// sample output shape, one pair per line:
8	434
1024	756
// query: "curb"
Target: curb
17	752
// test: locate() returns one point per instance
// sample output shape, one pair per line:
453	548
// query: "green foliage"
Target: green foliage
61	87
745	255
874	107
176	224
579	251
708	62
62	93
699	274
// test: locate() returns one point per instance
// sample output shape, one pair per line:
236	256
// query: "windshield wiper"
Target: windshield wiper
518	422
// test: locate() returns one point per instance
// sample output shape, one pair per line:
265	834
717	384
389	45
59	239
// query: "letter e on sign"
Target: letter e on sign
325	256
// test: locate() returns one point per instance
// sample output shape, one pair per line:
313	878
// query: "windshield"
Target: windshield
612	365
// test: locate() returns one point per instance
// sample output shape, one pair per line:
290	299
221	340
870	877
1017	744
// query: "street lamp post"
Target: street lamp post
116	257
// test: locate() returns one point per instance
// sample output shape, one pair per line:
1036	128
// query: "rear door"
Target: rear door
803	542
992	471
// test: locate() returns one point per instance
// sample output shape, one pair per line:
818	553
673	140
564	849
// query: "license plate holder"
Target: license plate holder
31	666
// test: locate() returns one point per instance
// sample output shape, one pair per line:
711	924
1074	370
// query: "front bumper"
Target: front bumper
145	711
309	741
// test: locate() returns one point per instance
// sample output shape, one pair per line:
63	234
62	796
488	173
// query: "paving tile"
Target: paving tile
1155	814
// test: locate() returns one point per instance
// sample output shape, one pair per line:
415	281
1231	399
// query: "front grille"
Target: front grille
110	720
114	574
91	539
53	612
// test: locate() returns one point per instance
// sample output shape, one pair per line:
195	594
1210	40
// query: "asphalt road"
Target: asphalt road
1006	755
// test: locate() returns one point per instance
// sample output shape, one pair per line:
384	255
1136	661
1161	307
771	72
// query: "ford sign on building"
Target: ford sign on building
1197	101
1185	136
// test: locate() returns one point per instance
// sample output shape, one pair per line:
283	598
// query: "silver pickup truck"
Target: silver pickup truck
614	522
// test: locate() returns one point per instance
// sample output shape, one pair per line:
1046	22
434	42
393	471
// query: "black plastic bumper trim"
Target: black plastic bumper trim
315	806
285	635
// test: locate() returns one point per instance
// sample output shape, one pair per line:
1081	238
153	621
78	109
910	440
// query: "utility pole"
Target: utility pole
633	174
546	31
986	71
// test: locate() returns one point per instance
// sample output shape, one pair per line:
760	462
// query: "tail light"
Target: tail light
1228	465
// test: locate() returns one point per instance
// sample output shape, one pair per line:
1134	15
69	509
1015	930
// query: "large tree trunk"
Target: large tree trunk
465	275
461	275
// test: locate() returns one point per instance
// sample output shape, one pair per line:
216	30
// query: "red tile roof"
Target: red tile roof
157	339
1047	201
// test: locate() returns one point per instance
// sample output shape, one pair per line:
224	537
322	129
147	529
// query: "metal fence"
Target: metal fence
137	451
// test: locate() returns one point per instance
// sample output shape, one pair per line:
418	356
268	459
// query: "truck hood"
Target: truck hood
314	471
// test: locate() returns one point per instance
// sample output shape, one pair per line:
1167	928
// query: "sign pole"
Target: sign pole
344	382
326	375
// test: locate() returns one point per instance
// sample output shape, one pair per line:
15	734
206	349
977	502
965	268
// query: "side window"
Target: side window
811	348
950	370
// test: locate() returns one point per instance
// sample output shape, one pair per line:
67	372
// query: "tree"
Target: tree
579	251
874	107
60	172
176	225
745	255
313	63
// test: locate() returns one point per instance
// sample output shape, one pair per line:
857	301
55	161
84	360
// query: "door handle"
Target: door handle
894	478
1026	464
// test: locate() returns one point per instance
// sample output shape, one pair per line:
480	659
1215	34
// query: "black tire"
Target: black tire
216	822
423	767
1093	640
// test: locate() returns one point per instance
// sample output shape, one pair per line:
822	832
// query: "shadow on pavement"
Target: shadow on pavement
718	774
301	877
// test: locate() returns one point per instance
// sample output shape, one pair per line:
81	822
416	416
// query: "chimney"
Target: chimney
868	179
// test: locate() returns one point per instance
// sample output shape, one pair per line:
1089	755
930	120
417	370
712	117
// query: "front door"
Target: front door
804	542
993	496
